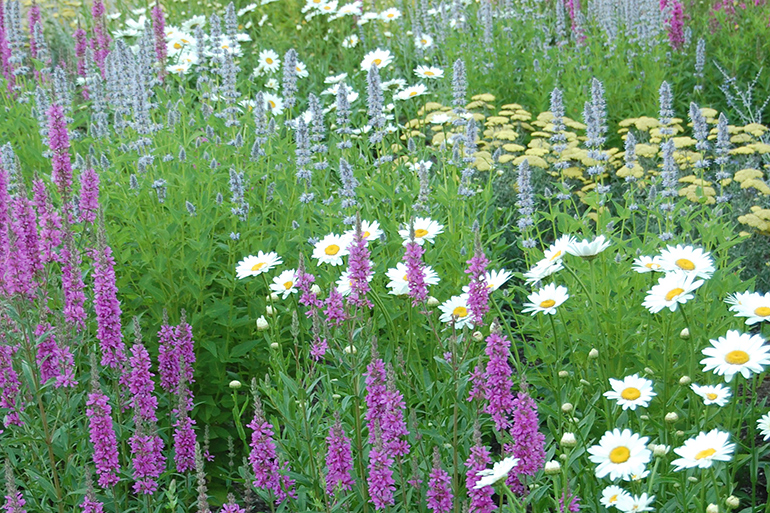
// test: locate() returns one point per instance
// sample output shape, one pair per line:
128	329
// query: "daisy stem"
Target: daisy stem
557	364
691	366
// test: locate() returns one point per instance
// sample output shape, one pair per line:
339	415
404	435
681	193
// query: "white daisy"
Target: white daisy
425	229
423	42
440	118
543	269
269	61
557	250
456	309
414	166
588	249
370	230
331	249
179	43
612	495
335	79
399	285
688	259
737	299
629	504
736	353
763	425
646	264
350	41
345	284
703	450
498	471
672	289
273	103
198	20
496	279
353	9
718	395
379	58
328	7
395	85
285	283
256	265
620	454
390	14
273	84
546	300
411	92
301	70
755	307
429	72
631	391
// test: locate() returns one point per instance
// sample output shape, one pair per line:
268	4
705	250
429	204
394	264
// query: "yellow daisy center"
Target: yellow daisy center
177	46
613	499
428	73
460	311
412	93
555	255
630	394
406	278
673	293
705	453
377	61
366	235
332	249
424	41
288	285
620	454
390	15
298	69
548	303
652	265
737	357
762	311
258	266
685	264
711	396
420	233
272	103
269	60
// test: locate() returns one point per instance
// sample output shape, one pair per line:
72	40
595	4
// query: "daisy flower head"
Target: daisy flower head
496	279
546	300
335	79
379	58
425	229
272	83
411	92
543	269
735	353
646	264
672	289
456	309
399	285
429	72
588	249
424	42
394	85
687	259
498	471
631	391
620	454
268	61
390	14
331	249
763	425
557	250
285	283
256	265
345	284
328	7
703	450
301	70
353	9
370	231
629	504
612	495
273	103
718	395
754	306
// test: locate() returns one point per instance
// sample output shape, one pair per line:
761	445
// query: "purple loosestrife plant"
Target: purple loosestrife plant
339	460
528	442
497	378
54	361
380	478
99	413
415	269
141	385
184	434
90	504
147	459
107	306
73	286
81	43
231	506
49	222
14	500
392	422
59	143
360	268
439	494
22	270
168	359
376	393
33	15
478	460
333	307
304	284
159	30
89	195
569	502
264	458
10	386
100	43
478	292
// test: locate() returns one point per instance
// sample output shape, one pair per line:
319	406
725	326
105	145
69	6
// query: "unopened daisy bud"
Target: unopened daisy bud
272	297
447	446
262	323
351	349
315	289
269	310
712	508
585	382
644	417
661	450
563	374
679	432
275	345
477	336
593	354
732	502
685	381
649	371
567	407
692	479
563	457
552	467
568	440
336	396
684	334
671	417
235	384
432	301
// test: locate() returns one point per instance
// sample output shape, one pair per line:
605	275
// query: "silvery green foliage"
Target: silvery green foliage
459	86
318	132
469	143
8	161
215	38
742	101
289	84
348	191
260	122
17	41
669	175
302	159
231	21
99	127
485	18
595	118
227	90
343	118
160	189
190	207
237	191
375	105
665	99
559	140
526	199
40	111
723	145
62	92
423	200
700	62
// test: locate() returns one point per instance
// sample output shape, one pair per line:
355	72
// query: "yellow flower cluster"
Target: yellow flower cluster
64	11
